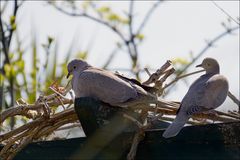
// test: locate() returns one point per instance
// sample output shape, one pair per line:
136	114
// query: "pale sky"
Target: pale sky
175	29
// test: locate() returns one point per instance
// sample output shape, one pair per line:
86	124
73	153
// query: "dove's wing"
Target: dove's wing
136	82
206	94
214	93
194	97
103	85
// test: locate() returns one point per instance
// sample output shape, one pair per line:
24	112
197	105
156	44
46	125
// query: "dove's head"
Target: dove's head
76	66
210	65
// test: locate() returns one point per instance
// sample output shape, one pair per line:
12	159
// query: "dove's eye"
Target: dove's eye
74	67
208	64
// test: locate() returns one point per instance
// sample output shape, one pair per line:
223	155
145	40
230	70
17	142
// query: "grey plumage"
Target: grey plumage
208	92
104	85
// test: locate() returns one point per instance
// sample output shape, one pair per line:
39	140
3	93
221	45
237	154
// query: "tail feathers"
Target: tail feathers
176	126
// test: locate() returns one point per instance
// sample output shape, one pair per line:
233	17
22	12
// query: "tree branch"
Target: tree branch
180	77
85	15
208	46
12	29
4	41
148	15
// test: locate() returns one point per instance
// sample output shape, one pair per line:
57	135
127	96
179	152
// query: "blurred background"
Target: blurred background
39	38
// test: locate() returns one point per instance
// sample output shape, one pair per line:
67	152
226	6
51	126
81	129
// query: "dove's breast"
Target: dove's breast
217	90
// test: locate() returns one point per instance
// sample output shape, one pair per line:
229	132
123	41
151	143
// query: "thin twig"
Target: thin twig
12	29
85	15
132	47
23	109
138	137
227	114
110	58
171	119
156	75
69	127
3	40
180	77
147	71
208	46
234	99
133	120
130	17
148	15
227	14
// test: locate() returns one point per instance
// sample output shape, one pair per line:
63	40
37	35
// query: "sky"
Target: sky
175	29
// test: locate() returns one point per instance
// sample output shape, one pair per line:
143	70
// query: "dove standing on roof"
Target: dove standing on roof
207	93
106	86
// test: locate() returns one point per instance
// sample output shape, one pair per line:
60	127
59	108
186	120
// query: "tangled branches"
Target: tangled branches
44	121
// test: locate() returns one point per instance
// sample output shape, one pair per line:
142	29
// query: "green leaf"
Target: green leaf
82	55
1	78
50	40
180	61
113	17
140	36
104	9
64	70
125	21
20	64
11	55
9	70
14	26
12	19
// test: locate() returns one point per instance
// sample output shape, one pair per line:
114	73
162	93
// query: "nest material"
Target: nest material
45	121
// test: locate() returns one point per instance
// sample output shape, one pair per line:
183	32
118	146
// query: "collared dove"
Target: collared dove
106	86
208	92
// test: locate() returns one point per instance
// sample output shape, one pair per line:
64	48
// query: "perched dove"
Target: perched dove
208	92
106	86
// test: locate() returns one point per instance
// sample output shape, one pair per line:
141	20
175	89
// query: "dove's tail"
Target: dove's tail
176	125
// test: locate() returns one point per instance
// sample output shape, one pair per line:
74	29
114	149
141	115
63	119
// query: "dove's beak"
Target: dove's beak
68	75
200	65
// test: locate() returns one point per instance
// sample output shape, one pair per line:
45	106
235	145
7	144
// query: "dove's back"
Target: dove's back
103	85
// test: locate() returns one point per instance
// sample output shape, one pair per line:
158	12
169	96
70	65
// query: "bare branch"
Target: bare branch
24	109
138	137
234	99
130	17
229	16
3	40
155	76
12	29
147	16
85	15
214	40
69	127
180	77
110	58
